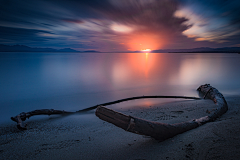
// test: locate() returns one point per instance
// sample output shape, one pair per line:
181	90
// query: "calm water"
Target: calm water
71	82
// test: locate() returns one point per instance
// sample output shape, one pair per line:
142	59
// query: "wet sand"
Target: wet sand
85	136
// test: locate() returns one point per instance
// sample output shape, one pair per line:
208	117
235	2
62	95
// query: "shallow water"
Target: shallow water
73	81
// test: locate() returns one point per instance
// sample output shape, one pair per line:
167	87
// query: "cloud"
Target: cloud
211	21
125	24
78	21
149	24
18	34
138	23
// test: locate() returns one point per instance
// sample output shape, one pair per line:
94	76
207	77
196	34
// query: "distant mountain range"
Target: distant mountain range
201	50
23	48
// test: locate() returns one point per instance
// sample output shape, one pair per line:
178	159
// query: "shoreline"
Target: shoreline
84	136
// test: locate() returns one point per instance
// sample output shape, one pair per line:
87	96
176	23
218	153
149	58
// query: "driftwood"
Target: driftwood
163	131
134	98
23	116
128	121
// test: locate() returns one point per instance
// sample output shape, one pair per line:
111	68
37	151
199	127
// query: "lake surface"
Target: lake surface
73	81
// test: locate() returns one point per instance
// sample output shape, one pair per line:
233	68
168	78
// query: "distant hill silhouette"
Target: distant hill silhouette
23	48
201	50
90	51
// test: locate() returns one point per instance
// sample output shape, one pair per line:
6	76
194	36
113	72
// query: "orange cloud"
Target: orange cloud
141	41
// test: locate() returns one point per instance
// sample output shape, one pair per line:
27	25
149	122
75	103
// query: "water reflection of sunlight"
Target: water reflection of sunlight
147	103
120	73
199	70
141	63
134	67
146	66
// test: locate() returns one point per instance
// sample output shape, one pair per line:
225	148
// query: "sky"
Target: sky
120	25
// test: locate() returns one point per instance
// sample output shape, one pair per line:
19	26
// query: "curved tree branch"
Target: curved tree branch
24	115
162	131
206	90
134	98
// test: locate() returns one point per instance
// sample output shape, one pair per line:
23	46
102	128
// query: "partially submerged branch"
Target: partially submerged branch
159	131
134	98
162	131
24	115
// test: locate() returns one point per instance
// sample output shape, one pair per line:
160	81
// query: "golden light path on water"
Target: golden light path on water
146	61
146	66
133	68
137	69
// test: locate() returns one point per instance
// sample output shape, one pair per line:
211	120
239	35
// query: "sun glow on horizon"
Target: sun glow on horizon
144	42
146	50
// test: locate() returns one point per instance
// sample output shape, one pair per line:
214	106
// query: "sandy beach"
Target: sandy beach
85	136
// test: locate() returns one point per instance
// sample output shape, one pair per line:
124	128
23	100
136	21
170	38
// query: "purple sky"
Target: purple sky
120	25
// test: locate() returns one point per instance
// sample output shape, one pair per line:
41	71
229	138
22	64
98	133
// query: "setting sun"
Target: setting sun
146	50
145	42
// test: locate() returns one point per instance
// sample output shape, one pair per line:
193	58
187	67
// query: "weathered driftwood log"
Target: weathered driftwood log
24	115
162	131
